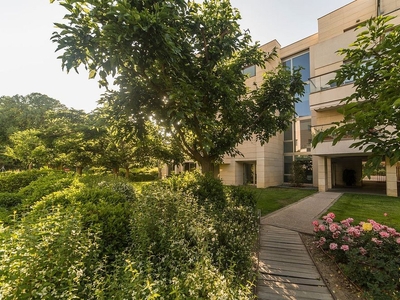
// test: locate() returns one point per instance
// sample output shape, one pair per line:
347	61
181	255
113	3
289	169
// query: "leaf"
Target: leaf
92	74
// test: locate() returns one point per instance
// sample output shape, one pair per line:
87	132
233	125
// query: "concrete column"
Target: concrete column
329	172
391	179
322	174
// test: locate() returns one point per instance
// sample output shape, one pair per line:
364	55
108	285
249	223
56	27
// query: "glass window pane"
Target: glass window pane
250	71
288	147
303	61
303	107
288	135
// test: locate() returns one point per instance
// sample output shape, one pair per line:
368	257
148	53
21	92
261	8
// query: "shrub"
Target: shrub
13	182
45	185
242	195
188	252
369	253
49	257
208	190
10	200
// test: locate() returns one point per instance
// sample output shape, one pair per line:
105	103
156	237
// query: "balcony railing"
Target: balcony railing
323	82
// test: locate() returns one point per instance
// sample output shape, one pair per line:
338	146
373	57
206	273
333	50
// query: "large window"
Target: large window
301	61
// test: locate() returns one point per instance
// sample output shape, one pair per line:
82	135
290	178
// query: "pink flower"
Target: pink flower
376	241
322	227
336	234
363	251
398	240
392	231
331	215
329	220
333	246
353	231
321	241
333	227
384	234
347	222
315	223
345	247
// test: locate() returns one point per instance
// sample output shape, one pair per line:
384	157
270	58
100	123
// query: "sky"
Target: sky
28	62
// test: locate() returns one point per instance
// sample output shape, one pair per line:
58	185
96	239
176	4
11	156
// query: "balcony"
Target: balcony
324	94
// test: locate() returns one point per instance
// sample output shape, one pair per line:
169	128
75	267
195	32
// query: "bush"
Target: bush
369	253
13	182
10	200
242	195
208	190
49	257
45	185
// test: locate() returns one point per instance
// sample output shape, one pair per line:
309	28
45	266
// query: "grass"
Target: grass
362	207
274	198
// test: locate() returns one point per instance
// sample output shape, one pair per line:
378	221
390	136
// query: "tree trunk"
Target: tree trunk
209	167
127	172
115	171
79	170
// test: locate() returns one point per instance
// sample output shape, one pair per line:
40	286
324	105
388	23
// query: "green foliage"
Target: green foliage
98	239
13	182
207	190
298	175
243	196
49	257
371	112
369	253
45	185
10	200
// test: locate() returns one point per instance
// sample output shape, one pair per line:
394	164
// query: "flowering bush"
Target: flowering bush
369	253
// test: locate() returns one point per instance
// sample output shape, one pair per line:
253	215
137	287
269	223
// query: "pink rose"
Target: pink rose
315	223
345	247
376	241
384	234
398	240
331	215
363	251
333	246
322	227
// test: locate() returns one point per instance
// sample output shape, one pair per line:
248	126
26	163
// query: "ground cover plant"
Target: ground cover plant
366	250
99	238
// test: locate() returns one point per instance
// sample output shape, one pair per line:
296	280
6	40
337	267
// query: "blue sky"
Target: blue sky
29	64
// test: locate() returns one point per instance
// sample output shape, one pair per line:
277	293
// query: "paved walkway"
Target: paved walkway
286	270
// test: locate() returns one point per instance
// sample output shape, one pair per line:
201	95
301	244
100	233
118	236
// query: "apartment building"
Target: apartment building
270	164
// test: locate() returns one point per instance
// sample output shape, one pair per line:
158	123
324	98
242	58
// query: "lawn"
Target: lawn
274	198
361	207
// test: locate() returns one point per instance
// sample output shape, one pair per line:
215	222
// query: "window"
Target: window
301	61
250	71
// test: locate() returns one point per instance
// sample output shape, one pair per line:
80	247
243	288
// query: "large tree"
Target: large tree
181	63
371	114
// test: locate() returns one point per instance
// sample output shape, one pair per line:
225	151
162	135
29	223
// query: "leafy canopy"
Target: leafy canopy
180	63
371	114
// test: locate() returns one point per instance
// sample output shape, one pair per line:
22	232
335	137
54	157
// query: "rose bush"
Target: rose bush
368	253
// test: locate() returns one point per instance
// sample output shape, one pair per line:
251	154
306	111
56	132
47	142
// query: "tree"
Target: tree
19	113
28	148
371	114
180	62
121	146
